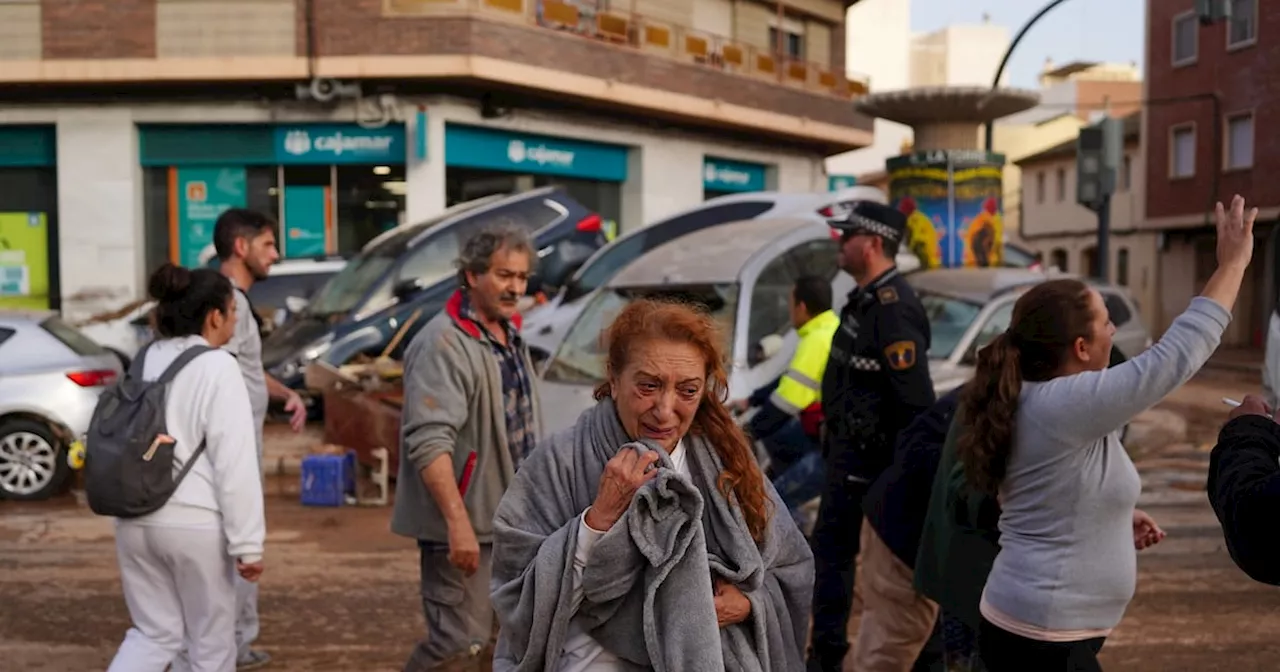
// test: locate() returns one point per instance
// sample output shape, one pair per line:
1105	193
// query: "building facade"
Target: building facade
1210	95
127	126
1066	233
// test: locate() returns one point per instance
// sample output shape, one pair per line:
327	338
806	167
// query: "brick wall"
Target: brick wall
91	29
1245	79
355	27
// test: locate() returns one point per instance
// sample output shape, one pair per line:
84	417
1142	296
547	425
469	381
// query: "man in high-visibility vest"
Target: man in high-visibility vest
790	412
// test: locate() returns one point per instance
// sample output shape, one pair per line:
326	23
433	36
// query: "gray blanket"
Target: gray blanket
647	589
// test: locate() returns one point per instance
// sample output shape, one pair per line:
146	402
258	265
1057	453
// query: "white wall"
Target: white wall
99	209
973	53
877	44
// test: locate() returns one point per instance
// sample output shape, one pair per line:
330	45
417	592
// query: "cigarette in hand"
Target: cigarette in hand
1230	402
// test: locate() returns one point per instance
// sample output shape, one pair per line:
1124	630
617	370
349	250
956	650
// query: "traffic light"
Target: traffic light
1099	153
1213	11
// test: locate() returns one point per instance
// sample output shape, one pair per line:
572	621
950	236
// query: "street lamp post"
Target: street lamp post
995	83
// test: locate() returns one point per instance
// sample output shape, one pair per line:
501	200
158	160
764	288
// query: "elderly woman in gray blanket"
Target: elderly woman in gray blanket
646	537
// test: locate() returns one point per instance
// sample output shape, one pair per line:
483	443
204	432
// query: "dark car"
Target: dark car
410	270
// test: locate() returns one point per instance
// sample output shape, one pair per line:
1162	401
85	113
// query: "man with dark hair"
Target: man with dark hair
877	380
791	407
464	433
245	241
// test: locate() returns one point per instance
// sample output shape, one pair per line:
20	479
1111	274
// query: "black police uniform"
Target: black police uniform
876	381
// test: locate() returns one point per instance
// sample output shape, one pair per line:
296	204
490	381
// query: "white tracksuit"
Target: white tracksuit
177	564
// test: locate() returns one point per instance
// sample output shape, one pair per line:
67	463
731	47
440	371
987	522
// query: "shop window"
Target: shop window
370	201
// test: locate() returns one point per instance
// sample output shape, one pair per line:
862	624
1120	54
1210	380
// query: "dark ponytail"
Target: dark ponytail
184	299
990	405
1046	323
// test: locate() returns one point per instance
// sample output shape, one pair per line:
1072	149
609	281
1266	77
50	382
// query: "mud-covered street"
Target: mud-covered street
340	592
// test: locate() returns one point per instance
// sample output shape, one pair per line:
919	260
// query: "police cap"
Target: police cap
866	216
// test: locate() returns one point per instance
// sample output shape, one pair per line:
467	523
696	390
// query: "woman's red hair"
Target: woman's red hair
655	320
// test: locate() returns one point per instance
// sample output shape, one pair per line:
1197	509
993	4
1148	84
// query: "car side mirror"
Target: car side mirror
296	304
405	289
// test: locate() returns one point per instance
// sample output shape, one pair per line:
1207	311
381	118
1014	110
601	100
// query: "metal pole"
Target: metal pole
1104	232
995	83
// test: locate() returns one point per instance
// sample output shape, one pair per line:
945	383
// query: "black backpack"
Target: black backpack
128	470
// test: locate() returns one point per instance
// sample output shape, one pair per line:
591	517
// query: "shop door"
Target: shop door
28	239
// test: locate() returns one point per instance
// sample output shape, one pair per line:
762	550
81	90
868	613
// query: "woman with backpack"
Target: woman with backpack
179	550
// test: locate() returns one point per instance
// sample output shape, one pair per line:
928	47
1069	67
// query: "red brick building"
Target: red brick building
1212	93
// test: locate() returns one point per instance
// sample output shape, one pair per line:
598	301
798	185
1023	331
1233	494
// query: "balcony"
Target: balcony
553	49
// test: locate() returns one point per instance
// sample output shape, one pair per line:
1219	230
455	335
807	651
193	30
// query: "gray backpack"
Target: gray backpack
129	471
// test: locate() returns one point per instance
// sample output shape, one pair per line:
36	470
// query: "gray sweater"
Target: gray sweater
1067	560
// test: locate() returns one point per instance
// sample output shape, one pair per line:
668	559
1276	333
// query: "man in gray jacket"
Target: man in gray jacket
470	416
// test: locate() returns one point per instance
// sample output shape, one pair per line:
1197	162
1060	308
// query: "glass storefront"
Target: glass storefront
333	187
483	161
721	177
28	218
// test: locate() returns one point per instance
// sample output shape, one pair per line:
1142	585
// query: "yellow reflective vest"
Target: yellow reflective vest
801	386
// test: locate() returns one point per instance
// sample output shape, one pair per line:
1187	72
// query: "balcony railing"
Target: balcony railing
632	30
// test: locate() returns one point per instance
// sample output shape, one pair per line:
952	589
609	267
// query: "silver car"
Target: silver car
50	379
743	271
968	307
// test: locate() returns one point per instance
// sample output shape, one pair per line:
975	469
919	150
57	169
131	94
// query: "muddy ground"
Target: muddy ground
340	592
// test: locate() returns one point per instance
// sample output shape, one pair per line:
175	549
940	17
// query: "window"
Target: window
5	333
72	338
817	257
1122	267
1058	259
1089	260
949	321
770	301
1182	152
996	323
1040	187
1185	38
531	215
579	358
1062	184
1240	141
615	257
1117	309
792	43
1126	173
1243	26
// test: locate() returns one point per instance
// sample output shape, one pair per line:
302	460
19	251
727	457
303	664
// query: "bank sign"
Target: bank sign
734	176
320	144
494	149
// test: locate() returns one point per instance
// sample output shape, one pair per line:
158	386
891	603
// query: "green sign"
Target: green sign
838	182
203	194
304	222
24	260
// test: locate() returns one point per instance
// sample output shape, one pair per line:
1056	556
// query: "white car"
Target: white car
745	281
545	325
284	293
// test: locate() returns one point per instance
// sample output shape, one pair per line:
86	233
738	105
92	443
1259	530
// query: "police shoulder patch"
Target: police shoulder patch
887	295
901	355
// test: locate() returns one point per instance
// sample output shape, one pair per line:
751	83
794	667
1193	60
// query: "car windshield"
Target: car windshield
580	359
949	320
343	292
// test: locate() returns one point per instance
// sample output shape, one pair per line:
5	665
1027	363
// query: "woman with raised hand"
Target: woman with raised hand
1043	416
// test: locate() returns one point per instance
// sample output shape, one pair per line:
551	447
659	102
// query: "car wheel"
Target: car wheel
33	462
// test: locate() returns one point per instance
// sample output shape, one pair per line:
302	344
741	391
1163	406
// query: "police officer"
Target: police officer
876	381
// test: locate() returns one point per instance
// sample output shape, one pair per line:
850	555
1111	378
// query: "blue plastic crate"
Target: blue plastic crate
328	479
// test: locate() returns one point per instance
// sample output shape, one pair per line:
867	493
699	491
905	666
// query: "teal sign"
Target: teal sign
203	194
27	146
339	144
493	149
304	222
728	175
838	182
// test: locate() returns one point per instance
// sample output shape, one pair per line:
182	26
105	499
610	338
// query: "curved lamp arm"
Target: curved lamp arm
995	83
